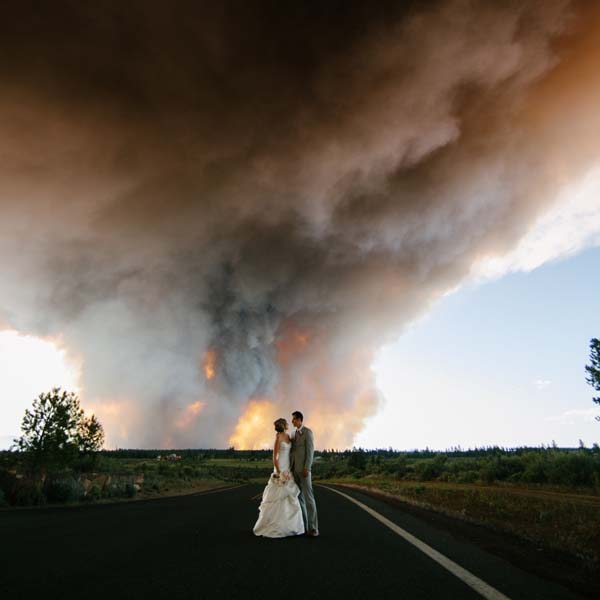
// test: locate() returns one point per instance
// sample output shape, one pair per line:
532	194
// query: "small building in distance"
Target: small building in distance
168	457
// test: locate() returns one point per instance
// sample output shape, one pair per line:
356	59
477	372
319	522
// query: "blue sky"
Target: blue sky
500	362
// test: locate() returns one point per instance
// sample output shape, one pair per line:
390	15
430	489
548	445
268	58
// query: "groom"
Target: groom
301	459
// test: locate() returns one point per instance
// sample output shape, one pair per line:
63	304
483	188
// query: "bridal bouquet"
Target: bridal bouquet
282	478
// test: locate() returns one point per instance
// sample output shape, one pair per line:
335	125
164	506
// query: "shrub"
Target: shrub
94	493
29	493
3	501
121	489
115	490
430	468
456	466
500	468
487	474
467	477
151	485
357	460
399	468
535	471
8	483
572	469
63	489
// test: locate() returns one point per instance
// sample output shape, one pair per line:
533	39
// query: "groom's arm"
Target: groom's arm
310	451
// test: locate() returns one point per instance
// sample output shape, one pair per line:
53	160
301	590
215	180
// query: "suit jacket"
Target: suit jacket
302	451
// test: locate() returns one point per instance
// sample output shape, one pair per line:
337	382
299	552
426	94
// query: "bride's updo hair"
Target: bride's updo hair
280	425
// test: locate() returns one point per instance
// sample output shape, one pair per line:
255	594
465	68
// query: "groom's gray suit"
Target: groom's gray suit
301	457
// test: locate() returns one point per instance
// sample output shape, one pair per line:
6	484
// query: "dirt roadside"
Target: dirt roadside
205	486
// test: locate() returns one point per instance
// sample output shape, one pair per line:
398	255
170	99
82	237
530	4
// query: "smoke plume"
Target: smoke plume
225	209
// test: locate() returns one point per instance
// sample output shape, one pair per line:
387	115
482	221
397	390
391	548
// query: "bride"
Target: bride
280	512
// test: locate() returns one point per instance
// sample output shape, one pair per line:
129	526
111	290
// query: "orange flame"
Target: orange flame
190	412
336	391
210	359
254	429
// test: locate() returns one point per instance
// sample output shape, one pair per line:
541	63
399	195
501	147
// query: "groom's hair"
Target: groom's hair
298	415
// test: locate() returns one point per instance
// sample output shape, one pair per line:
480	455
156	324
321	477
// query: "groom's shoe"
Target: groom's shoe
312	533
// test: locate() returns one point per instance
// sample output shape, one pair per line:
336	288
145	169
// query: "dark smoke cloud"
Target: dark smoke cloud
284	184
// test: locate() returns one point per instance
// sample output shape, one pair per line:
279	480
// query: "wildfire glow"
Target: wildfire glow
116	416
190	412
291	343
254	429
210	359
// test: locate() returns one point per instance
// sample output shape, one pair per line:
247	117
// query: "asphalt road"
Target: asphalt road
202	546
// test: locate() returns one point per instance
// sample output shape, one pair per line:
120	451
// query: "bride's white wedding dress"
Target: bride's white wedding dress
280	512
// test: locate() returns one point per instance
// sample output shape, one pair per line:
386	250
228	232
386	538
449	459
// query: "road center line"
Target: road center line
480	586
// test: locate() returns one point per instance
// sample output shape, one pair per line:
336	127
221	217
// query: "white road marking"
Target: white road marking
480	586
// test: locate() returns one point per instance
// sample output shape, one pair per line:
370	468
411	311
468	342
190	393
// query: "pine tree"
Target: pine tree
55	430
593	370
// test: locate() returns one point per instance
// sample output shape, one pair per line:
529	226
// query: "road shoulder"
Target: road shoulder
437	528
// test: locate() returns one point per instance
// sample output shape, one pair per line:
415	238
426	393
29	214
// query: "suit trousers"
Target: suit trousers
307	501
